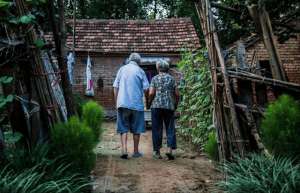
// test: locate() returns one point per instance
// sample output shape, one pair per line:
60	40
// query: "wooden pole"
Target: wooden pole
216	57
217	116
263	24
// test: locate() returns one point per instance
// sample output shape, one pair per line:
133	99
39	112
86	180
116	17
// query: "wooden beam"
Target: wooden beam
263	24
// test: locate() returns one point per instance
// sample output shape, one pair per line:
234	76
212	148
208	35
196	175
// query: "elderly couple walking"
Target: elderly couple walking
130	87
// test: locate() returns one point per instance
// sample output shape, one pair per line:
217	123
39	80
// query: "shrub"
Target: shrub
79	102
281	127
92	116
261	174
211	146
75	140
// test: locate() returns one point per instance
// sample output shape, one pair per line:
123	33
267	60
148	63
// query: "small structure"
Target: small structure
109	43
261	70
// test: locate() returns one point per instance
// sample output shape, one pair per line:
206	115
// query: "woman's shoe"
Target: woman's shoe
170	156
124	156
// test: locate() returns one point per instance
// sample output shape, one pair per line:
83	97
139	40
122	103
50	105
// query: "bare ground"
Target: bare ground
190	172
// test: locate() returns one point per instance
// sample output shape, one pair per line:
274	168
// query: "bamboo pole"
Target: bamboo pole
40	81
217	116
264	80
232	136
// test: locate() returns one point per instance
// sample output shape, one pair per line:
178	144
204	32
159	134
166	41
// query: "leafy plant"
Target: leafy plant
20	158
261	174
281	127
39	179
196	105
75	140
92	115
211	146
12	137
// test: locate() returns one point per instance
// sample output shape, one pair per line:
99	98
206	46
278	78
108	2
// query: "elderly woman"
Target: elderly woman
163	97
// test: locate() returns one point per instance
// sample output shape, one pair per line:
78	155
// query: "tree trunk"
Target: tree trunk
60	42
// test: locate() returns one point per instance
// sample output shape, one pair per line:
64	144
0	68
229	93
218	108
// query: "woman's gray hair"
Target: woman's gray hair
135	57
162	66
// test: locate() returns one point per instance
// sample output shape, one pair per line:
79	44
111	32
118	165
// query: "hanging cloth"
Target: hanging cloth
70	65
89	81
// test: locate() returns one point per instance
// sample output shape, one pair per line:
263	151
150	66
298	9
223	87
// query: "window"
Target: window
265	68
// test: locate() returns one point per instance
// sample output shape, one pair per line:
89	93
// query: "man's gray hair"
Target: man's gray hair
162	65
135	57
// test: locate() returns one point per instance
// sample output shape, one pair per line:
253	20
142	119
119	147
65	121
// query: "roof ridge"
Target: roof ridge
187	19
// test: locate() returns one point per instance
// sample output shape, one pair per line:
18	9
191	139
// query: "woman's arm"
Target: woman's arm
176	95
151	96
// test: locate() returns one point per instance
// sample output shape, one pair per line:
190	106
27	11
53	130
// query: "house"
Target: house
257	61
109	43
289	53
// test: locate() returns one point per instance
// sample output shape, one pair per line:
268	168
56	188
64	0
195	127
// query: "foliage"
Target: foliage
79	102
261	174
92	116
211	146
196	104
20	157
113	9
42	178
232	26
75	140
281	126
4	100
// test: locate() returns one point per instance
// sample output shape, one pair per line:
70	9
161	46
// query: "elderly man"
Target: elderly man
130	85
164	97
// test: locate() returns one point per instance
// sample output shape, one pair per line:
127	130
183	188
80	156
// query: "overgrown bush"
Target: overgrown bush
261	174
196	104
211	146
75	140
92	116
281	127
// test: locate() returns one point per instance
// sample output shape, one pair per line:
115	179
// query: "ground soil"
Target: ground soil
190	172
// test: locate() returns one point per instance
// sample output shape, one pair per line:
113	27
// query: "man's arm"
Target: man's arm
116	90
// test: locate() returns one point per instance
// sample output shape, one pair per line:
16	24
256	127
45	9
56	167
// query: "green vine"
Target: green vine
196	104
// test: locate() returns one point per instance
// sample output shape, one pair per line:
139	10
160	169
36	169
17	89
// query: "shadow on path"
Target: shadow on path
188	173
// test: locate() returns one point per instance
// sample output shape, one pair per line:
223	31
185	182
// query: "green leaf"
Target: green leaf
9	98
4	4
26	19
14	20
12	137
39	43
6	79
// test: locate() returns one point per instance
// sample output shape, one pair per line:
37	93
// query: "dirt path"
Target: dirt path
189	173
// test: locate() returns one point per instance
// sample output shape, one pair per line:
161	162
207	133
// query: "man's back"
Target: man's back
131	82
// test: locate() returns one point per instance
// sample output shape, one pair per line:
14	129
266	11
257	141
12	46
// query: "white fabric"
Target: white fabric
70	65
89	81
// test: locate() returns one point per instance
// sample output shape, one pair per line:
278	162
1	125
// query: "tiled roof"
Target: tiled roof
123	36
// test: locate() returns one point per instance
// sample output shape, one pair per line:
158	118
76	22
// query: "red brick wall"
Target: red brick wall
105	67
289	53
